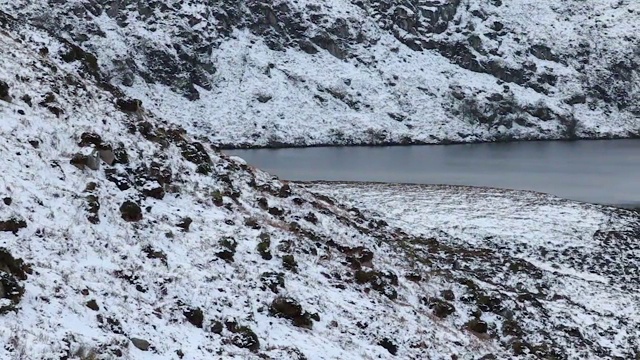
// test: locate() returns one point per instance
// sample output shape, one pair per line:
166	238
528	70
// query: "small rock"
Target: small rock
245	338
389	345
185	223
285	191
478	326
272	280
7	201
275	211
93	305
131	211
88	138
289	308
441	308
4	91
194	316
129	105
153	189
27	100
12	225
264	98
311	217
216	327
107	156
141	344
448	295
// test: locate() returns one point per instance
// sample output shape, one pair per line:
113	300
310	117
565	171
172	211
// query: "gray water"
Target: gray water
604	172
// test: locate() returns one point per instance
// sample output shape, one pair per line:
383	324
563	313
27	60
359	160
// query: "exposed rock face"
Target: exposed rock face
577	60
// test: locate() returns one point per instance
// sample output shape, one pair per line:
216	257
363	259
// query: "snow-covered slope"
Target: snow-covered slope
121	236
297	72
575	267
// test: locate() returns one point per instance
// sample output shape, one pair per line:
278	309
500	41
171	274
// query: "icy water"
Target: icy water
604	172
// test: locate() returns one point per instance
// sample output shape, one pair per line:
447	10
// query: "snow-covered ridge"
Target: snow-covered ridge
294	73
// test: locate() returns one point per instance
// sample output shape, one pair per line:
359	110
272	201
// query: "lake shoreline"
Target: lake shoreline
445	142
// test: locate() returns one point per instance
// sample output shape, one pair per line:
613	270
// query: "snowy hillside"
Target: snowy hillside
122	236
298	72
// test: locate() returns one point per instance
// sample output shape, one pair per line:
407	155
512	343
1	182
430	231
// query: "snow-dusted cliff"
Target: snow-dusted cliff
299	72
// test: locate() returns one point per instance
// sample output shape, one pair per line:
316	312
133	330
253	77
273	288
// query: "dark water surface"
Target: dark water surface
605	171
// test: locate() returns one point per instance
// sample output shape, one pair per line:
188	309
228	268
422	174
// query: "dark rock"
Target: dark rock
275	211
216	327
543	52
27	100
185	223
497	26
311	217
289	308
285	191
448	295
155	254
7	201
225	255
118	177
85	161
576	99
194	316
12	225
12	270
263	203
389	346
245	338
129	105
87	139
4	91
93	208
264	98
93	305
441	308
130	211
477	325
153	189
379	281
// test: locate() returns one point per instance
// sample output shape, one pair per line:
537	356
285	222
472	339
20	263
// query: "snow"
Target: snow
145	275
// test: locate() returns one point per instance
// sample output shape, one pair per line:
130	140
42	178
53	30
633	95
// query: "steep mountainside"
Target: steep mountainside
121	236
299	72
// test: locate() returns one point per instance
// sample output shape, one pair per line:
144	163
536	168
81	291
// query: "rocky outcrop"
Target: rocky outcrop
211	54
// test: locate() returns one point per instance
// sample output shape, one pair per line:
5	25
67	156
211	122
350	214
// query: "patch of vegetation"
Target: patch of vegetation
289	308
273	281
289	263
230	245
264	246
382	282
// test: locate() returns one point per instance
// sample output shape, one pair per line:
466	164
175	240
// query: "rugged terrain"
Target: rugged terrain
298	72
125	235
